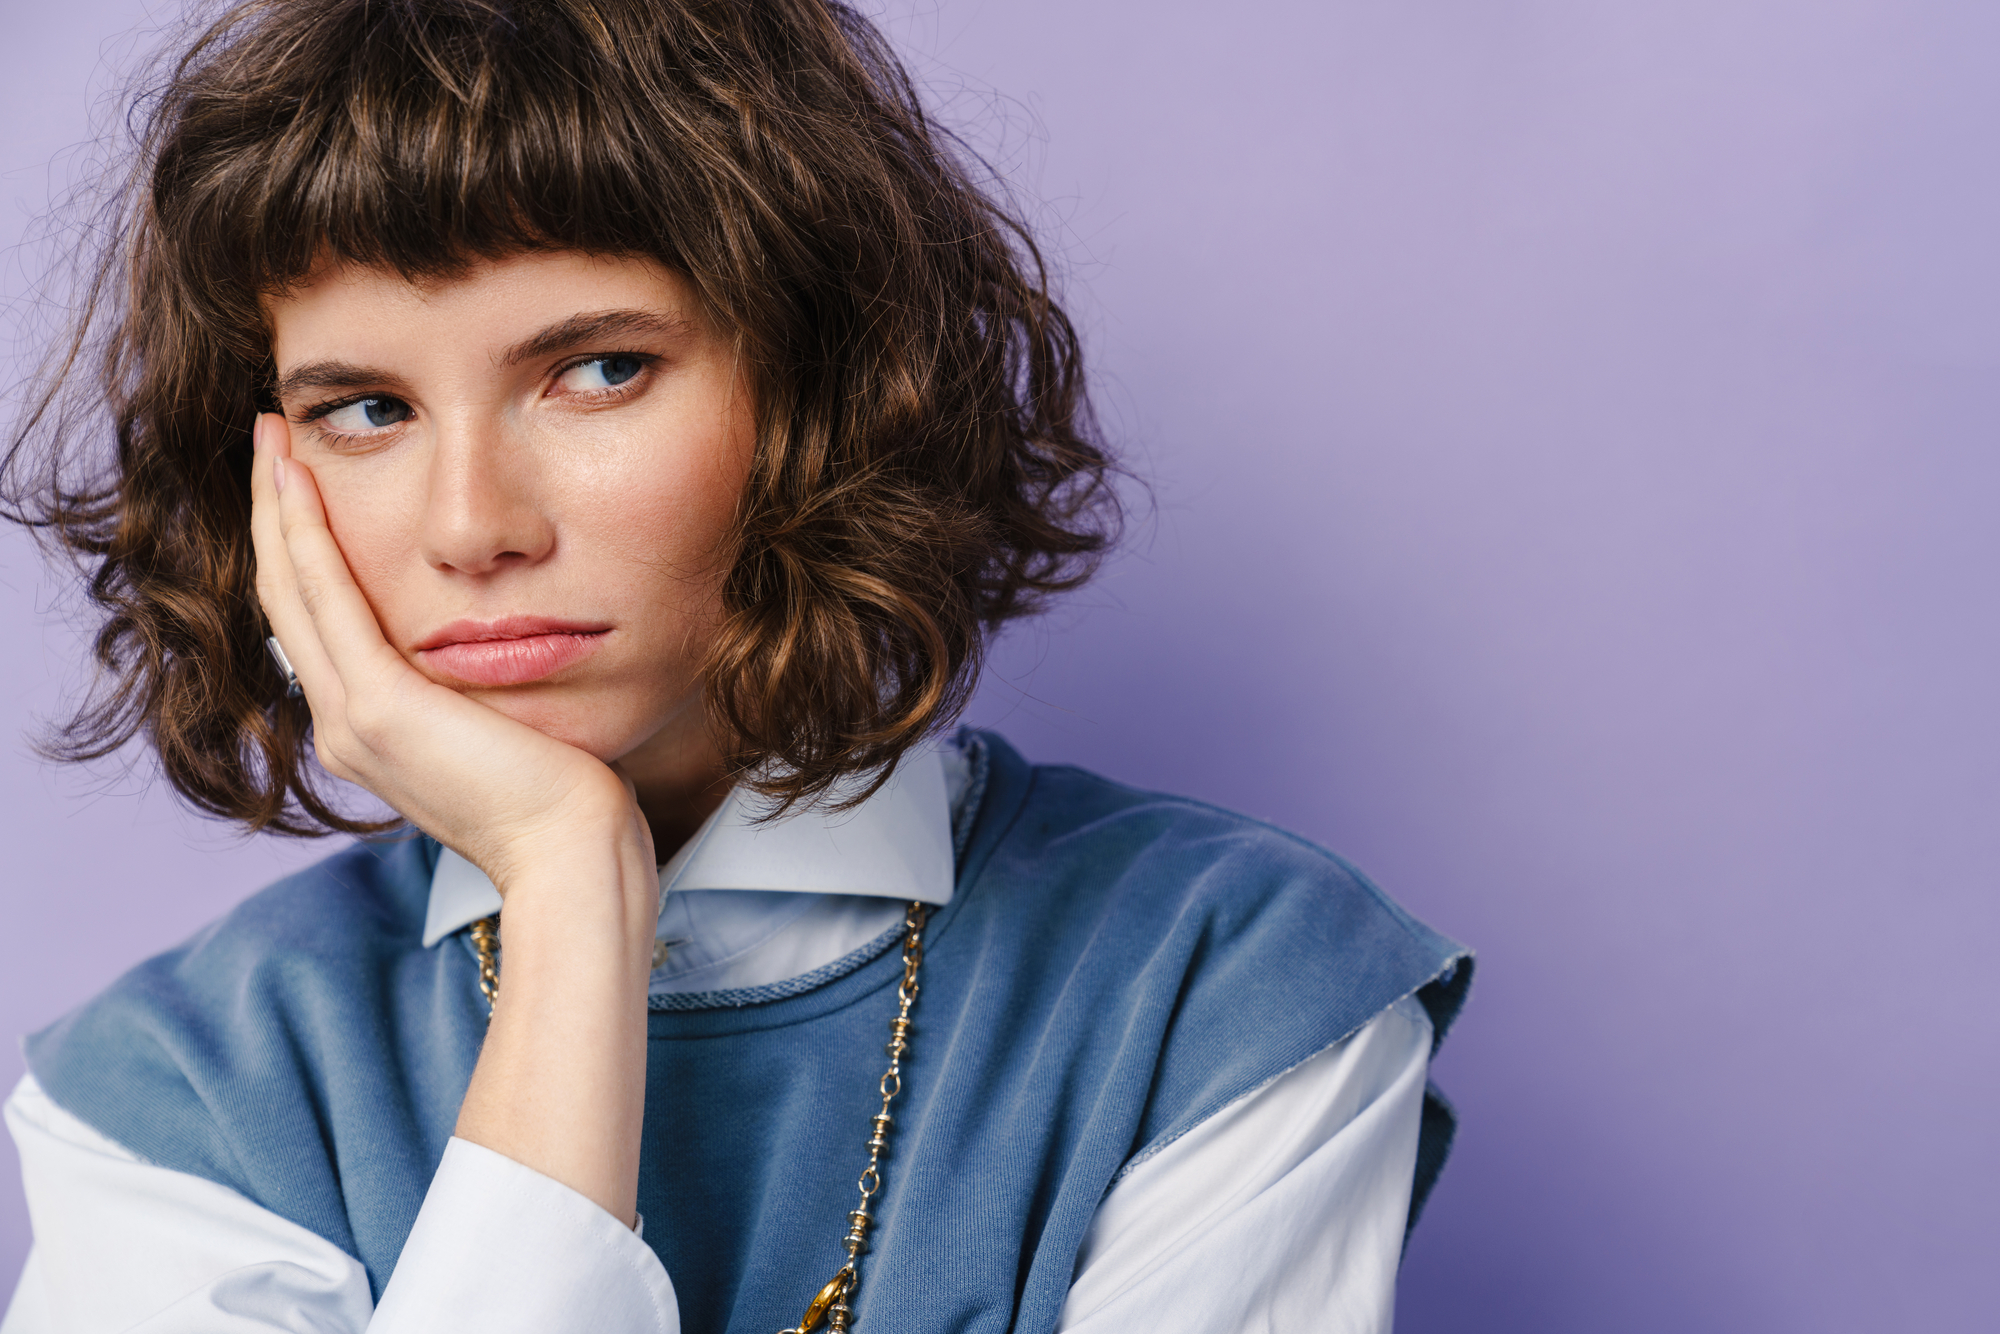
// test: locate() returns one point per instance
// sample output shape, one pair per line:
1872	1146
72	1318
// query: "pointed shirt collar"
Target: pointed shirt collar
895	845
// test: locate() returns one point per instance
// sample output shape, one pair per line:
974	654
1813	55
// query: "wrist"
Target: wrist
604	847
589	898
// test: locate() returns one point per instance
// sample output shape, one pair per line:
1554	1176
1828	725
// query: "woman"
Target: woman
606	431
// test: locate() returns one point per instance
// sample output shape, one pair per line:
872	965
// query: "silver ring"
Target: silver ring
293	690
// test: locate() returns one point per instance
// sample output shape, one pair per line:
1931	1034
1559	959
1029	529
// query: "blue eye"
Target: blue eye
617	370
366	414
603	372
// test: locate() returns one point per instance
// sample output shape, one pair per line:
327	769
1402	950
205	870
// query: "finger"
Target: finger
344	626
277	582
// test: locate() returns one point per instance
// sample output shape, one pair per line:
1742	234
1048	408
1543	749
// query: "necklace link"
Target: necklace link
834	1303
486	939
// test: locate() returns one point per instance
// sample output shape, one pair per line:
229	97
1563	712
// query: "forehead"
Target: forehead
489	305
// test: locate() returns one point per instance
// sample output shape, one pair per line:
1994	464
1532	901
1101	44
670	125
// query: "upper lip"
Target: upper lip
507	627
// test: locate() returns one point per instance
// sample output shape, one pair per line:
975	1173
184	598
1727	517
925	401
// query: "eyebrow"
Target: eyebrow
562	336
332	375
595	327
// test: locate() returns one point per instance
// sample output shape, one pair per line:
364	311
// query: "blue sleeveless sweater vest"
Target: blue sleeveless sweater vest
1115	966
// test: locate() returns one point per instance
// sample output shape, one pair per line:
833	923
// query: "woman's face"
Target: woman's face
532	470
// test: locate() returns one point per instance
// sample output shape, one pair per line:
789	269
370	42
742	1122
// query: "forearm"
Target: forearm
560	1083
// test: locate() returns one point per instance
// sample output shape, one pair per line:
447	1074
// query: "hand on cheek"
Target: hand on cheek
502	794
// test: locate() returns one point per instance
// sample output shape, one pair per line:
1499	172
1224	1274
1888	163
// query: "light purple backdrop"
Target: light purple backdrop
1572	427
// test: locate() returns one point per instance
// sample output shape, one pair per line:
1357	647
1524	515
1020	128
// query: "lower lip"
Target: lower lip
511	662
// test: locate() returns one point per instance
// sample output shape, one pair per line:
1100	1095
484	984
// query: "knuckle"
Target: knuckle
367	720
311	593
339	755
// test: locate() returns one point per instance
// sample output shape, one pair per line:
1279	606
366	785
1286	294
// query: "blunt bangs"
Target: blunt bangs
417	137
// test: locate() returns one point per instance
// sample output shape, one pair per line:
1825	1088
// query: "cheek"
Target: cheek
377	521
668	515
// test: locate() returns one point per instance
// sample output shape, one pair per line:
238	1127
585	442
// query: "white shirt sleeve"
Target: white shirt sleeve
1283	1212
123	1245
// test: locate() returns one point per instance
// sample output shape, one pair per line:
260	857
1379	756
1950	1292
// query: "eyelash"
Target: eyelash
318	412
314	415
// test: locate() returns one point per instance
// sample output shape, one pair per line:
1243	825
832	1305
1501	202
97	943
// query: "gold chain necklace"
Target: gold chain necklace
833	1303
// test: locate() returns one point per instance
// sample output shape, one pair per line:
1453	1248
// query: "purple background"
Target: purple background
1572	435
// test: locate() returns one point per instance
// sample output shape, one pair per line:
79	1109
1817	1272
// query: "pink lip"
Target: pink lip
511	651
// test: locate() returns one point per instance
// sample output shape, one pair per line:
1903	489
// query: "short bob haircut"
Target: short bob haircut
926	465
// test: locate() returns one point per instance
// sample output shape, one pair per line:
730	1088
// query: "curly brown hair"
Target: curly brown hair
926	464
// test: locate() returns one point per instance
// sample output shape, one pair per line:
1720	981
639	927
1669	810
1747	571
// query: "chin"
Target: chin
604	728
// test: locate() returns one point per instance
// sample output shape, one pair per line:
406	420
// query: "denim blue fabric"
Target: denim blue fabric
306	1050
1114	967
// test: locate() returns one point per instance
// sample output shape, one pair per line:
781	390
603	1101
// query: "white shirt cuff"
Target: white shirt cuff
499	1247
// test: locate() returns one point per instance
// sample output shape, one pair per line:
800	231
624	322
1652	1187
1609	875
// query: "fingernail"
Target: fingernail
278	475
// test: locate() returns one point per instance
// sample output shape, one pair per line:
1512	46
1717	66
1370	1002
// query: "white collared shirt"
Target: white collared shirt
745	903
1282	1212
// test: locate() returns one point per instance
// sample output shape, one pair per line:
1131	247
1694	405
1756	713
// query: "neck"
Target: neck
679	778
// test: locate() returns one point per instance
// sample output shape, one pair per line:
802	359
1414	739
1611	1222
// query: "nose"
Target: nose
483	514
